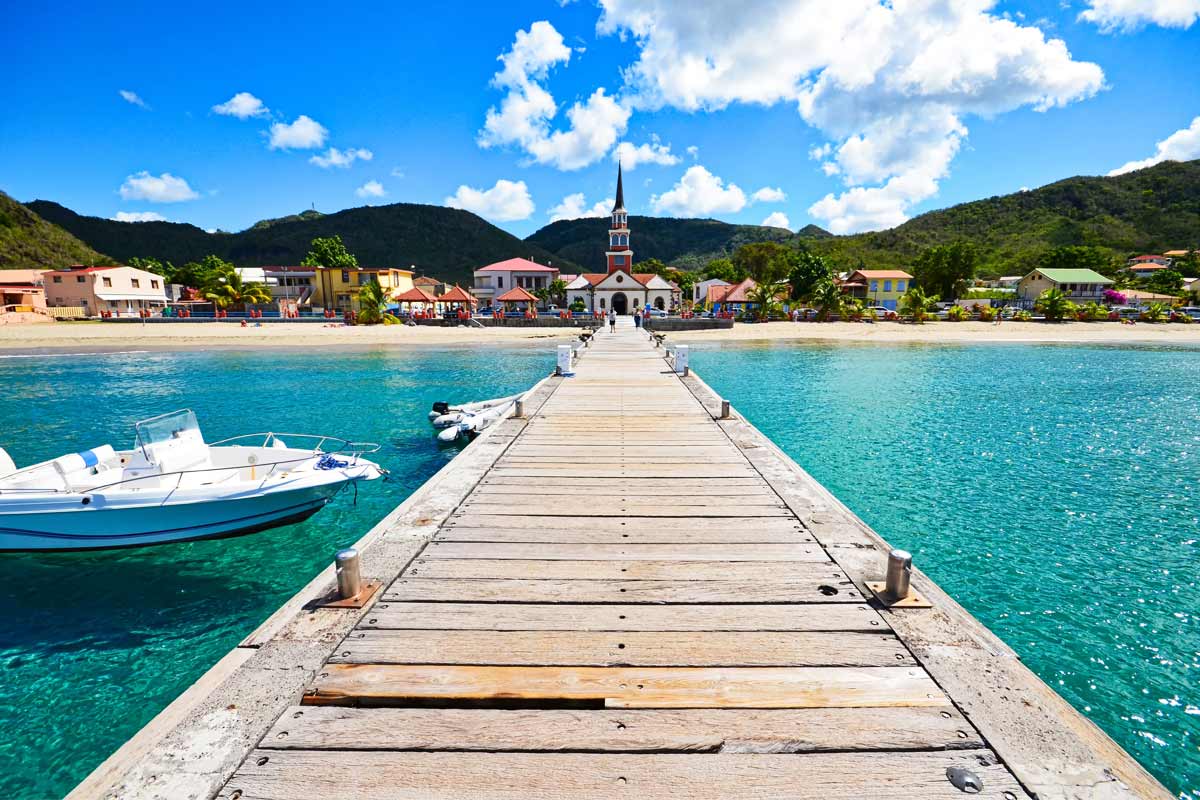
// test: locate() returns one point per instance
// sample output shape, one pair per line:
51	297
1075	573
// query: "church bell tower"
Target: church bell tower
620	257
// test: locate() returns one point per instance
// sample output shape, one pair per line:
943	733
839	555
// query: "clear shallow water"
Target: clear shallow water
94	645
1070	472
1052	490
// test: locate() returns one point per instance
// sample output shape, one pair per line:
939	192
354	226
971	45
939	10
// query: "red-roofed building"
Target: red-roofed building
496	279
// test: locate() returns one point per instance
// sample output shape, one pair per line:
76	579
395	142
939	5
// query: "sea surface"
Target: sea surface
1051	489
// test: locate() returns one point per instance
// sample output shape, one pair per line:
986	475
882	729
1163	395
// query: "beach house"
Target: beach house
496	279
700	289
878	287
1080	285
619	288
21	291
291	284
338	288
119	291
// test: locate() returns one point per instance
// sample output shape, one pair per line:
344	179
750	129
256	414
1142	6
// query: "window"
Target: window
80	279
618	261
135	283
899	286
874	286
887	286
364	278
345	276
153	284
601	303
108	282
499	281
58	278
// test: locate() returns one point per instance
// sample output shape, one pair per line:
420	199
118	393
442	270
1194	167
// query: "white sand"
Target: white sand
89	336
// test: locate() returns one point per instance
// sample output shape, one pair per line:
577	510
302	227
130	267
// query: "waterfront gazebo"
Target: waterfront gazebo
457	298
417	295
517	295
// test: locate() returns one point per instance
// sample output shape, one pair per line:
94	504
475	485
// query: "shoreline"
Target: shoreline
61	339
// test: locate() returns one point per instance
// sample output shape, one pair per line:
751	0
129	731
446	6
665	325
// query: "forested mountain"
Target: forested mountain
29	242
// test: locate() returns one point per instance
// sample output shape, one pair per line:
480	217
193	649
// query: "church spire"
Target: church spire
620	203
620	257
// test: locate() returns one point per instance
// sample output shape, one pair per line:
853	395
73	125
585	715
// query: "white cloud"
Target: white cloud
573	207
242	105
397	172
769	194
341	158
371	189
165	188
132	97
303	134
653	152
699	193
504	202
694	152
888	83
523	118
1129	15
139	216
1182	145
777	219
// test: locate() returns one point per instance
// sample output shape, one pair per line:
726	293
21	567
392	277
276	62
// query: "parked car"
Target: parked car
658	312
1191	311
1129	312
880	311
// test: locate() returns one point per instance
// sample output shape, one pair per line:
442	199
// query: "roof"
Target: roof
567	278
1147	258
11	276
79	270
516	295
882	274
415	295
619	204
1136	294
1072	275
22	287
1176	253
456	295
1148	266
425	280
516	265
735	293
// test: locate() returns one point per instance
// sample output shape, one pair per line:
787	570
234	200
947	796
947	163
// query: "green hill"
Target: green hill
28	242
445	242
686	243
1147	211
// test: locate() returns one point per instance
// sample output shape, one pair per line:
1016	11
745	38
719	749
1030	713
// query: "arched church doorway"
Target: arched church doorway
659	304
620	303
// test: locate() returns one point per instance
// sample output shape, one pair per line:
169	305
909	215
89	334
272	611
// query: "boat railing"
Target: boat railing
269	438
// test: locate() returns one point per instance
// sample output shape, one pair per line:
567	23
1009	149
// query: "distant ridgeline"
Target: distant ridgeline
1149	211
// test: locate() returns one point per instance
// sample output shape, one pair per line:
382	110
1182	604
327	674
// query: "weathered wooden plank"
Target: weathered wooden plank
747	536
367	775
641	591
617	648
714	485
590	508
634	525
791	730
748	571
631	687
587	471
632	551
576	617
567	493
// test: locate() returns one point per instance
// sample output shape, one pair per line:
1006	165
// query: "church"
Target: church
620	288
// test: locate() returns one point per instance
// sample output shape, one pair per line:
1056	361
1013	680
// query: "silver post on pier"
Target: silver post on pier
349	574
899	574
724	409
519	409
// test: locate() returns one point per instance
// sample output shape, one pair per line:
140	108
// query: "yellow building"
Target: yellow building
338	288
878	287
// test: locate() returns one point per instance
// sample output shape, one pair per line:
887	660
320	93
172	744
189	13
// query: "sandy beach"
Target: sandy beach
99	336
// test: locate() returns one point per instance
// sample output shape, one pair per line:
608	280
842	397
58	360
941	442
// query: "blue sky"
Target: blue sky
844	113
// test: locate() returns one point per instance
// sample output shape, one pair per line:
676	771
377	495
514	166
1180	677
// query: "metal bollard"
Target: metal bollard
349	577
899	572
724	409
519	410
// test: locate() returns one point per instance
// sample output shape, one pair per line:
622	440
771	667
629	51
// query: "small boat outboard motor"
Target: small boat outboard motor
441	407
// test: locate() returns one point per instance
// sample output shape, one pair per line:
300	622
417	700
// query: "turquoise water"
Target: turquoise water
1052	490
1070	472
93	646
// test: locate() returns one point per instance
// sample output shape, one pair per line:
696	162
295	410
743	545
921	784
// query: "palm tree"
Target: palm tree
917	304
1054	305
1155	312
765	298
226	289
372	302
828	298
558	291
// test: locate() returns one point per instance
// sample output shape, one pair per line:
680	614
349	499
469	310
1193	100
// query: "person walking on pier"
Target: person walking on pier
612	320
637	319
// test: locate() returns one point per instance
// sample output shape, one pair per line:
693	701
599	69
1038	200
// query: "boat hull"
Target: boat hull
102	526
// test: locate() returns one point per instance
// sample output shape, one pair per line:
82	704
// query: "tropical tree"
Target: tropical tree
947	269
765	297
224	288
329	252
917	304
372	303
1165	281
558	290
1054	305
724	270
956	313
808	270
1155	312
828	298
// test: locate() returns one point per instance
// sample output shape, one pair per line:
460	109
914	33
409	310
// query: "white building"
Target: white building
620	288
700	290
496	279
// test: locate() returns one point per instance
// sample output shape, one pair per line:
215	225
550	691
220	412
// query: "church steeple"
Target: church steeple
620	257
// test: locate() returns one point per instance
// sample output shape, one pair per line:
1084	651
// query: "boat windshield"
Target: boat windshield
167	428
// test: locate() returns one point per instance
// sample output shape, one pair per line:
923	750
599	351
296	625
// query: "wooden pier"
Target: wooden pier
620	595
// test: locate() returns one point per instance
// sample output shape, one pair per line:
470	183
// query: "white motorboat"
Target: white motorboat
173	487
471	424
445	415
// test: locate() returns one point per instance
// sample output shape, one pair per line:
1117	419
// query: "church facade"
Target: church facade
620	288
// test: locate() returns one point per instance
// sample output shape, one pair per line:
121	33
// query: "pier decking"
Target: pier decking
622	596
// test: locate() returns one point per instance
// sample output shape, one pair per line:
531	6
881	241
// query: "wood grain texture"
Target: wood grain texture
603	648
632	551
702	730
579	617
631	687
643	591
359	775
749	536
563	569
